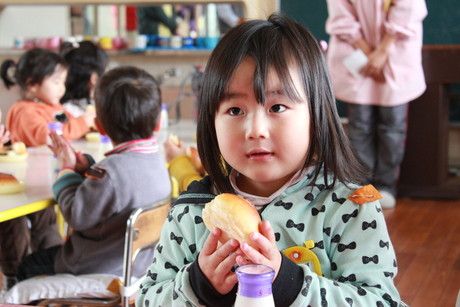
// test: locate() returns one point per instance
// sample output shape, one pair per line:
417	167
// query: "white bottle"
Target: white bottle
104	147
164	117
54	127
254	286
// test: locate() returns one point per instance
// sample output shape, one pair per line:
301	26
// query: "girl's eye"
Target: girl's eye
278	108
235	111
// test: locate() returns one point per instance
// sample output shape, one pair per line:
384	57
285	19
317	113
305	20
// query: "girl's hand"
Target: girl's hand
173	149
4	135
265	252
216	263
376	62
64	153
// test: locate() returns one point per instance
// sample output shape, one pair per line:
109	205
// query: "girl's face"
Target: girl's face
266	144
52	88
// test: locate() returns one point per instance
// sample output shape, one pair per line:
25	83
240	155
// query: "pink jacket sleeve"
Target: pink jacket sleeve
404	17
342	21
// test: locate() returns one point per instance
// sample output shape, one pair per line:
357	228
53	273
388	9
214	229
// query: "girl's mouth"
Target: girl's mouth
259	155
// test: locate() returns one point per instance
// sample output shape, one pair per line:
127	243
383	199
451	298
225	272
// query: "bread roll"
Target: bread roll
235	216
9	184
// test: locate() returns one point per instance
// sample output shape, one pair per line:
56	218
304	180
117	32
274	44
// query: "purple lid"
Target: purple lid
255	280
55	126
105	139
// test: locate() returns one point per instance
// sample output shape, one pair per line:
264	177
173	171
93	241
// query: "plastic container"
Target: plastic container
254	286
164	117
55	127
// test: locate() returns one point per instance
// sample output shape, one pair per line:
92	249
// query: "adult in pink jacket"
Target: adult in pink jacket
389	33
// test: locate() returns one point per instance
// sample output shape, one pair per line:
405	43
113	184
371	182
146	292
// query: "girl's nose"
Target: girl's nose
257	125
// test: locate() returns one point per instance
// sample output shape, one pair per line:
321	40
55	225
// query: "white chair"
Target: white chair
143	231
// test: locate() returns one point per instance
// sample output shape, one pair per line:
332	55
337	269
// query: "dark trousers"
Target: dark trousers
39	263
378	135
16	239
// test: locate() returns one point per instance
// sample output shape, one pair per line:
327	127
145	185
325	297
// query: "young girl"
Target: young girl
268	130
41	75
87	63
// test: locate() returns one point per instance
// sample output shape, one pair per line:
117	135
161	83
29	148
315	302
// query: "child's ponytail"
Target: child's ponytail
7	70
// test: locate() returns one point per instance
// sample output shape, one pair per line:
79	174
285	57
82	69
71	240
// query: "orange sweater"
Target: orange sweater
28	122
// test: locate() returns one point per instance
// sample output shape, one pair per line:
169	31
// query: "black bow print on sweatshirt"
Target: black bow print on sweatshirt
315	211
335	238
389	299
172	236
374	259
308	280
171	266
281	203
309	196
389	274
186	210
319	244
372	224
322	293
351	277
290	224
338	200
383	244
153	276
198	219
341	247
347	217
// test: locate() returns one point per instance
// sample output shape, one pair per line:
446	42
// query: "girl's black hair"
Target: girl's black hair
32	68
85	59
128	101
276	43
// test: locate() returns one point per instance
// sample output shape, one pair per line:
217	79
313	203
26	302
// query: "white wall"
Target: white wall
33	21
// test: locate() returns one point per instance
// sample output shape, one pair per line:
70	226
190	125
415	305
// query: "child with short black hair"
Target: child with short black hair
87	62
41	76
97	199
268	130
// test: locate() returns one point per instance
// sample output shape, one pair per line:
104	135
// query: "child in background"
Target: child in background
86	64
4	134
184	164
268	130
389	32
41	75
97	199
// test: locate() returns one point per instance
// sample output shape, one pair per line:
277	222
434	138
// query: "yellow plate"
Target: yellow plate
12	189
11	156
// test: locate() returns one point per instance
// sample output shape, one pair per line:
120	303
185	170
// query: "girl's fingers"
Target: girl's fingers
252	254
211	242
240	260
231	279
226	265
223	252
266	230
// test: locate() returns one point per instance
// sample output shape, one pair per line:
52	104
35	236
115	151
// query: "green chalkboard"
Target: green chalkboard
441	26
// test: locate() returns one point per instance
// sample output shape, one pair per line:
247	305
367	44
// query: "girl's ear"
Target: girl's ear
32	90
99	126
92	84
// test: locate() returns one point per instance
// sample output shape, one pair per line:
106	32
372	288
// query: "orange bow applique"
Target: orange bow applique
364	195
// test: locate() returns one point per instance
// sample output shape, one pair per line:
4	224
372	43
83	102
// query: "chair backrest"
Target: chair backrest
143	231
